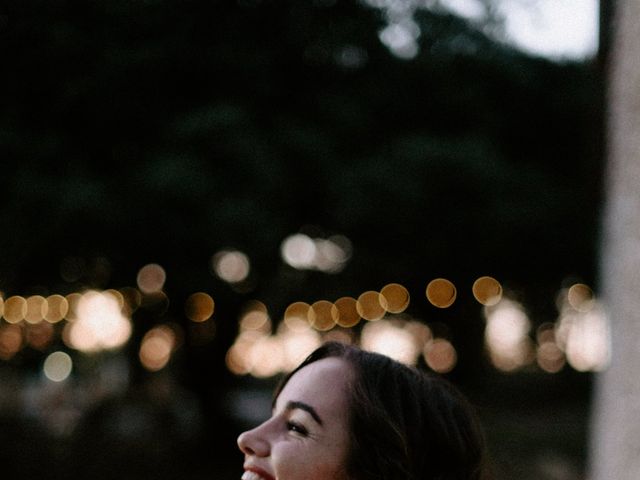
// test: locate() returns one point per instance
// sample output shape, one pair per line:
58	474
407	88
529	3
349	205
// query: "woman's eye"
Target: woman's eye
297	428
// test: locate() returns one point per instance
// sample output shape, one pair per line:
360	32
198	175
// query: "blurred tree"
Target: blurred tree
161	131
135	134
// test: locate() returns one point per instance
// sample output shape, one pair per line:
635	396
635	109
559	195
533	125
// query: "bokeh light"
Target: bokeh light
326	255
441	292
341	335
371	305
255	317
487	290
297	345
100	324
57	309
73	299
506	335
199	307
587	344
36	309
440	355
57	366
151	278
331	255
348	315
260	354
237	357
15	309
582	330
11	340
323	315
40	335
117	294
298	251
549	357
266	357
396	297
391	338
401	38
580	297
232	266
296	316
156	348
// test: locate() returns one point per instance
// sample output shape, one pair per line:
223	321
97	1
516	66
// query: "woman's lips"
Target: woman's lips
252	473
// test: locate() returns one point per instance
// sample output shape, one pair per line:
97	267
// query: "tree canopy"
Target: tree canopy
163	131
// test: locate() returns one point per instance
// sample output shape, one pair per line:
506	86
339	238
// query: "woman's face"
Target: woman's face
306	438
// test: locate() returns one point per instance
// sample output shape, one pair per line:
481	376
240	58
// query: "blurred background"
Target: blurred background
195	194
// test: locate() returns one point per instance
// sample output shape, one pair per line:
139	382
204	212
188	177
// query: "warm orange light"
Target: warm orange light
296	316
487	291
371	305
100	324
297	345
255	317
151	278
348	315
339	335
323	315
580	297
156	348
58	306
36	309
235	358
390	338
507	335
117	294
396	296
440	355
40	335
199	307
421	332
238	358
441	293
546	332
15	309
11	339
72	301
550	358
267	357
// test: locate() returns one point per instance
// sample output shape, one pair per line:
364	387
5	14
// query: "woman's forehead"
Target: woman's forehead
322	382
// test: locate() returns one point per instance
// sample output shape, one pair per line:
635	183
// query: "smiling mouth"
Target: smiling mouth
250	475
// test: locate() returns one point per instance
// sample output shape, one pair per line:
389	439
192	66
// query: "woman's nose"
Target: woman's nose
254	442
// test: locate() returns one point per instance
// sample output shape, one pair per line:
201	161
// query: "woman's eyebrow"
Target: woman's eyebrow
292	405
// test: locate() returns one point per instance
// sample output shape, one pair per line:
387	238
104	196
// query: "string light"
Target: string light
579	338
441	292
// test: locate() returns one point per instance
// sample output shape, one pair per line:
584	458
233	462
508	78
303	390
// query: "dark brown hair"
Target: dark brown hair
405	424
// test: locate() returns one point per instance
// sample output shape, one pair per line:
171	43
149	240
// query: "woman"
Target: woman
347	414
